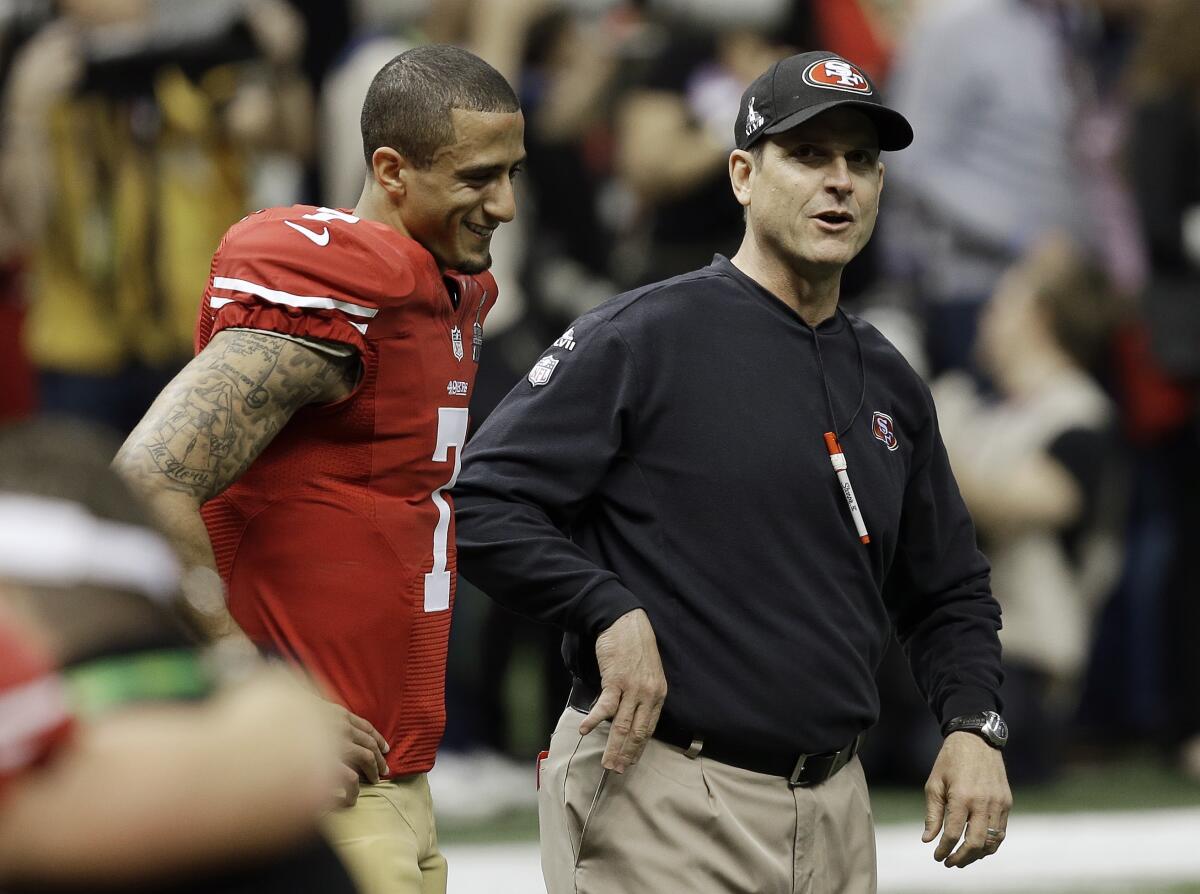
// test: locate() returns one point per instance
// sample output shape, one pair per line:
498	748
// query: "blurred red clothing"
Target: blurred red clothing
846	29
17	397
34	719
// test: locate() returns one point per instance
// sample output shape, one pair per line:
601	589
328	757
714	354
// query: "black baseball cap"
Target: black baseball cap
798	88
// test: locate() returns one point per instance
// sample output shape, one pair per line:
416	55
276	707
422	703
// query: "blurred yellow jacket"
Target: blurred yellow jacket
144	187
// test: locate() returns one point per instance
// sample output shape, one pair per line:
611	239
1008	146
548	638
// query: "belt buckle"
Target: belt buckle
794	779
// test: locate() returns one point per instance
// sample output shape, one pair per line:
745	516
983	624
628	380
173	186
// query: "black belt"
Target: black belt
800	770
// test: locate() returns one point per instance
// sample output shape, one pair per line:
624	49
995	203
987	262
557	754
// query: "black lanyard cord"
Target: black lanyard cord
862	372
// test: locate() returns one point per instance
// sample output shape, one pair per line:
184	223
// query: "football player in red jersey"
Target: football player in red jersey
307	452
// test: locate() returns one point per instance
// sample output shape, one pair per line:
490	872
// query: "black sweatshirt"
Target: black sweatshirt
674	460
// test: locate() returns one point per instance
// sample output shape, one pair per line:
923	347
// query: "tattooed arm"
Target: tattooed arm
202	432
206	428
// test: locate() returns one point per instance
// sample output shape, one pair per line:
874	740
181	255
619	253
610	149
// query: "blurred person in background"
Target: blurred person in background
1040	466
996	168
1162	360
129	129
307	452
124	763
671	130
18	22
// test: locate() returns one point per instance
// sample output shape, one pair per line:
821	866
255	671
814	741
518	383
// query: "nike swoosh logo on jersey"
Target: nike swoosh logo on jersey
321	238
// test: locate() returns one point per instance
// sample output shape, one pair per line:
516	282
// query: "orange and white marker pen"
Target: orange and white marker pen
839	466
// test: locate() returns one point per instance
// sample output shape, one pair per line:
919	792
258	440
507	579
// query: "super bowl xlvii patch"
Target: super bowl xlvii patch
566	340
884	429
457	342
542	370
754	119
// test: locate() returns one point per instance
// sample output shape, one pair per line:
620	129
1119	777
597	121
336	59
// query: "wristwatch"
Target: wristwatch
989	725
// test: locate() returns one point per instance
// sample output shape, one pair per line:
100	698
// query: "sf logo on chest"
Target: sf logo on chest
884	429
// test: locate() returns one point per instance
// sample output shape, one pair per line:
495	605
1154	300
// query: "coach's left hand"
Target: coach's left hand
968	789
632	689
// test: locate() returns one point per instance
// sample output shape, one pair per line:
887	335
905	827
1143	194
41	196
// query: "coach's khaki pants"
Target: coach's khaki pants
677	824
388	841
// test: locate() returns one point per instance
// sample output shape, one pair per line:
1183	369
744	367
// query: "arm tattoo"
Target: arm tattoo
218	415
196	435
248	362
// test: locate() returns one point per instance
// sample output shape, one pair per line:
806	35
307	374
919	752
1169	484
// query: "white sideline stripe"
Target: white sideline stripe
275	296
1044	852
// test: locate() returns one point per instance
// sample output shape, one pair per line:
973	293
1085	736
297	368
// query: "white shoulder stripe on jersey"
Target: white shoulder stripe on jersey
218	303
277	297
27	711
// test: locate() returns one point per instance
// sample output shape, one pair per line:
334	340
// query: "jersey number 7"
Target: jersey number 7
452	432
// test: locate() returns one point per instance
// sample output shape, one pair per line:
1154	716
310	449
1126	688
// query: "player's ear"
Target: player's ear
741	175
390	170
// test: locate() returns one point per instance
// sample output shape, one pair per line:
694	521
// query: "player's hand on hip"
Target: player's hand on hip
967	791
632	689
362	749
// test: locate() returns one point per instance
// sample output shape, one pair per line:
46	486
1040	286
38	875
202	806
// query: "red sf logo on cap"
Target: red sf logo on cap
837	74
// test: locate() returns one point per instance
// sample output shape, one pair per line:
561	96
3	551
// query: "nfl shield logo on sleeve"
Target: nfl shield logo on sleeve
456	342
540	374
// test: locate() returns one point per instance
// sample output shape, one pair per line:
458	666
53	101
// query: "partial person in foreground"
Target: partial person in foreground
315	436
124	764
670	487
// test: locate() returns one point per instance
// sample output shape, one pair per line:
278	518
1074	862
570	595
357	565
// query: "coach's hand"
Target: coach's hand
362	752
968	789
632	689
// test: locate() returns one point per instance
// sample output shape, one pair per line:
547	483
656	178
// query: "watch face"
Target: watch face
995	728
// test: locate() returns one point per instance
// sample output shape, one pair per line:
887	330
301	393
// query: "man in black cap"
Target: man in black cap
728	492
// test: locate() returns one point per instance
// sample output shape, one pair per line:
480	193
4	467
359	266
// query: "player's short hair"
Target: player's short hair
409	101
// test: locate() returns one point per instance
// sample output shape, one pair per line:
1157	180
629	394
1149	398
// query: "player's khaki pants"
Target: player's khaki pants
677	824
388	841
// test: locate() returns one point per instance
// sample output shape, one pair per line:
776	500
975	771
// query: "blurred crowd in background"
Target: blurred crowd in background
1038	261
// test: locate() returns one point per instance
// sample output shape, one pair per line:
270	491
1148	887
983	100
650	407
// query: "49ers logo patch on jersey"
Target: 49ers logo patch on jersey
837	74
883	428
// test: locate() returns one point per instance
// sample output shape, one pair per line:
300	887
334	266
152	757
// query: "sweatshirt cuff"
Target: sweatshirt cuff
968	700
601	606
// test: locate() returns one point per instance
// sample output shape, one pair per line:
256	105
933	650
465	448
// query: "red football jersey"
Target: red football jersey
34	718
337	544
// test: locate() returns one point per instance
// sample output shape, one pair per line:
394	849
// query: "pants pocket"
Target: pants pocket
590	815
583	788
